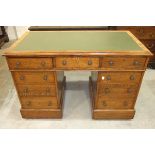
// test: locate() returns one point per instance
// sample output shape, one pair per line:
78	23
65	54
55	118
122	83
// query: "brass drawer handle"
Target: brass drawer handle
28	103
111	63
22	77
150	45
90	62
45	77
108	77
49	103
17	64
136	63
104	103
106	90
64	62
132	77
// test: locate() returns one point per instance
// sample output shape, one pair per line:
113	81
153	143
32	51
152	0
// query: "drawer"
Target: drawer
87	62
141	32
39	103
150	44
30	63
36	90
117	90
66	62
76	62
35	77
133	63
120	77
106	103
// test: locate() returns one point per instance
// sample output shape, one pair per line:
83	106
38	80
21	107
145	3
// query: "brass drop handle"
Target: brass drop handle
104	103
43	63
90	62
132	77
28	103
17	64
106	90
108	77
64	62
111	63
136	63
49	103
45	77
22	77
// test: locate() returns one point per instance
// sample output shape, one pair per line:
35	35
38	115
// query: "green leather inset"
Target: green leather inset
77	40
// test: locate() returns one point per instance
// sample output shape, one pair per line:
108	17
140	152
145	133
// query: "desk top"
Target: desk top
61	42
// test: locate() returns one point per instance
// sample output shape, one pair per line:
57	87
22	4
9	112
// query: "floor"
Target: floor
77	110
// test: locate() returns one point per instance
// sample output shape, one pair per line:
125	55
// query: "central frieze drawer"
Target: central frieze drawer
120	63
77	62
120	77
39	103
33	77
30	63
36	90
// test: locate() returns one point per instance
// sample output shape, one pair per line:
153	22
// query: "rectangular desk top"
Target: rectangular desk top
62	42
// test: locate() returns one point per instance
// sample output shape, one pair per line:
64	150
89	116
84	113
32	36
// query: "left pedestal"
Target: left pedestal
40	90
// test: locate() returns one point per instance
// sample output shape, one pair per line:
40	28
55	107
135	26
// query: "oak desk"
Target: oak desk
117	61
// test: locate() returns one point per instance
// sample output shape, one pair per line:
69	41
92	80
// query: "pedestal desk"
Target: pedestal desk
116	59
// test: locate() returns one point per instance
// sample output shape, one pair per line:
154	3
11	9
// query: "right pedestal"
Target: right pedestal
114	93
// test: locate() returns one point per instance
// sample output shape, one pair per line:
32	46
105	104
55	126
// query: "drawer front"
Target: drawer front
30	63
115	91
106	103
39	103
141	32
66	62
86	63
120	77
36	90
76	62
150	44
119	63
33	77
